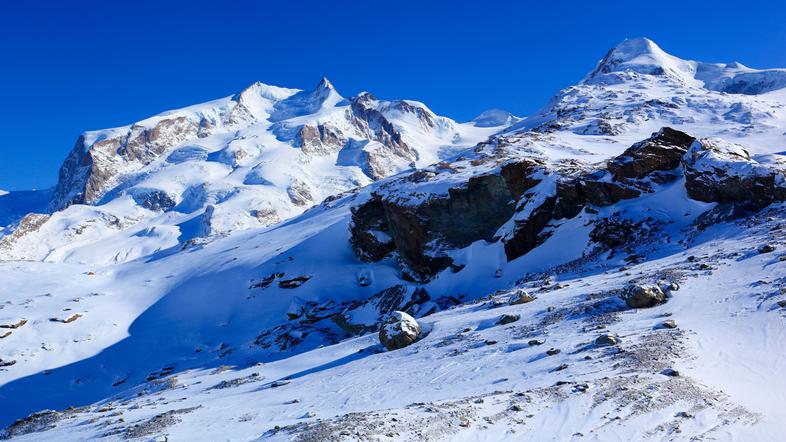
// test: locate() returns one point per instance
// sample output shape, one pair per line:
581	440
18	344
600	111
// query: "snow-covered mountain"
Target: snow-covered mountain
609	268
244	161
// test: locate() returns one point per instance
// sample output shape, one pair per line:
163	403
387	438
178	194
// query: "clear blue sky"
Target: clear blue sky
70	66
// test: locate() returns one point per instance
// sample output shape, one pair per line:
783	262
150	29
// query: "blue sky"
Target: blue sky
66	67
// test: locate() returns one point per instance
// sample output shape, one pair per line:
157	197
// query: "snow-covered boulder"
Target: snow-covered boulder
398	330
724	172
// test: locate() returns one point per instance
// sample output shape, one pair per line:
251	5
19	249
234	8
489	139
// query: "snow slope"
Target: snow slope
152	326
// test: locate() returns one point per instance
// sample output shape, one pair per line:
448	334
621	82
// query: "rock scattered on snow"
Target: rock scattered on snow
507	319
642	296
766	248
606	340
294	282
398	330
67	320
521	297
7	362
14	325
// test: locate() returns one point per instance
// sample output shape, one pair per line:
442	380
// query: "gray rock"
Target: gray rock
766	248
670	324
507	319
398	330
606	340
521	297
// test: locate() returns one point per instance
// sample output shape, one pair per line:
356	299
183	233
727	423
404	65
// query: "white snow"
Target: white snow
184	307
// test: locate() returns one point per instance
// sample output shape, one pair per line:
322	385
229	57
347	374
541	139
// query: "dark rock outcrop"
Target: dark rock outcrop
421	231
614	231
662	151
154	199
370	235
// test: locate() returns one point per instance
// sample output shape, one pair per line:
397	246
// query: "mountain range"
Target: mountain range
609	267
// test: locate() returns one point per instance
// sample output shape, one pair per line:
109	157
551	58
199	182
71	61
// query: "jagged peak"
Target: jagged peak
324	83
364	97
325	93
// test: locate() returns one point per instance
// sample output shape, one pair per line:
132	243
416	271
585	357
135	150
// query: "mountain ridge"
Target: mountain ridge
608	267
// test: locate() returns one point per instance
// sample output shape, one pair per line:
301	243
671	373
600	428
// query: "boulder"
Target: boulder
398	330
507	319
521	297
606	340
766	248
641	296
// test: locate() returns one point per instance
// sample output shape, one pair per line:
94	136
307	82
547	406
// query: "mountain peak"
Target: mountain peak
642	56
494	118
631	48
325	84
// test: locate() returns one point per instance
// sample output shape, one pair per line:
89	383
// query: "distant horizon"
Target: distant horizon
90	65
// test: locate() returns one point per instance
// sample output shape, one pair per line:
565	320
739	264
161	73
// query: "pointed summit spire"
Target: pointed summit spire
324	83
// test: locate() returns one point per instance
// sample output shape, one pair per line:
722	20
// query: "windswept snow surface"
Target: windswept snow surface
193	323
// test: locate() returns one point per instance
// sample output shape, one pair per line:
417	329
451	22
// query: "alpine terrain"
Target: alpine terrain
290	265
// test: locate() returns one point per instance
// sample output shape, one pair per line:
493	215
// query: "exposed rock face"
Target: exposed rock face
663	151
398	330
371	238
154	199
266	217
722	172
527	232
421	228
420	232
91	169
323	139
300	193
30	223
372	124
